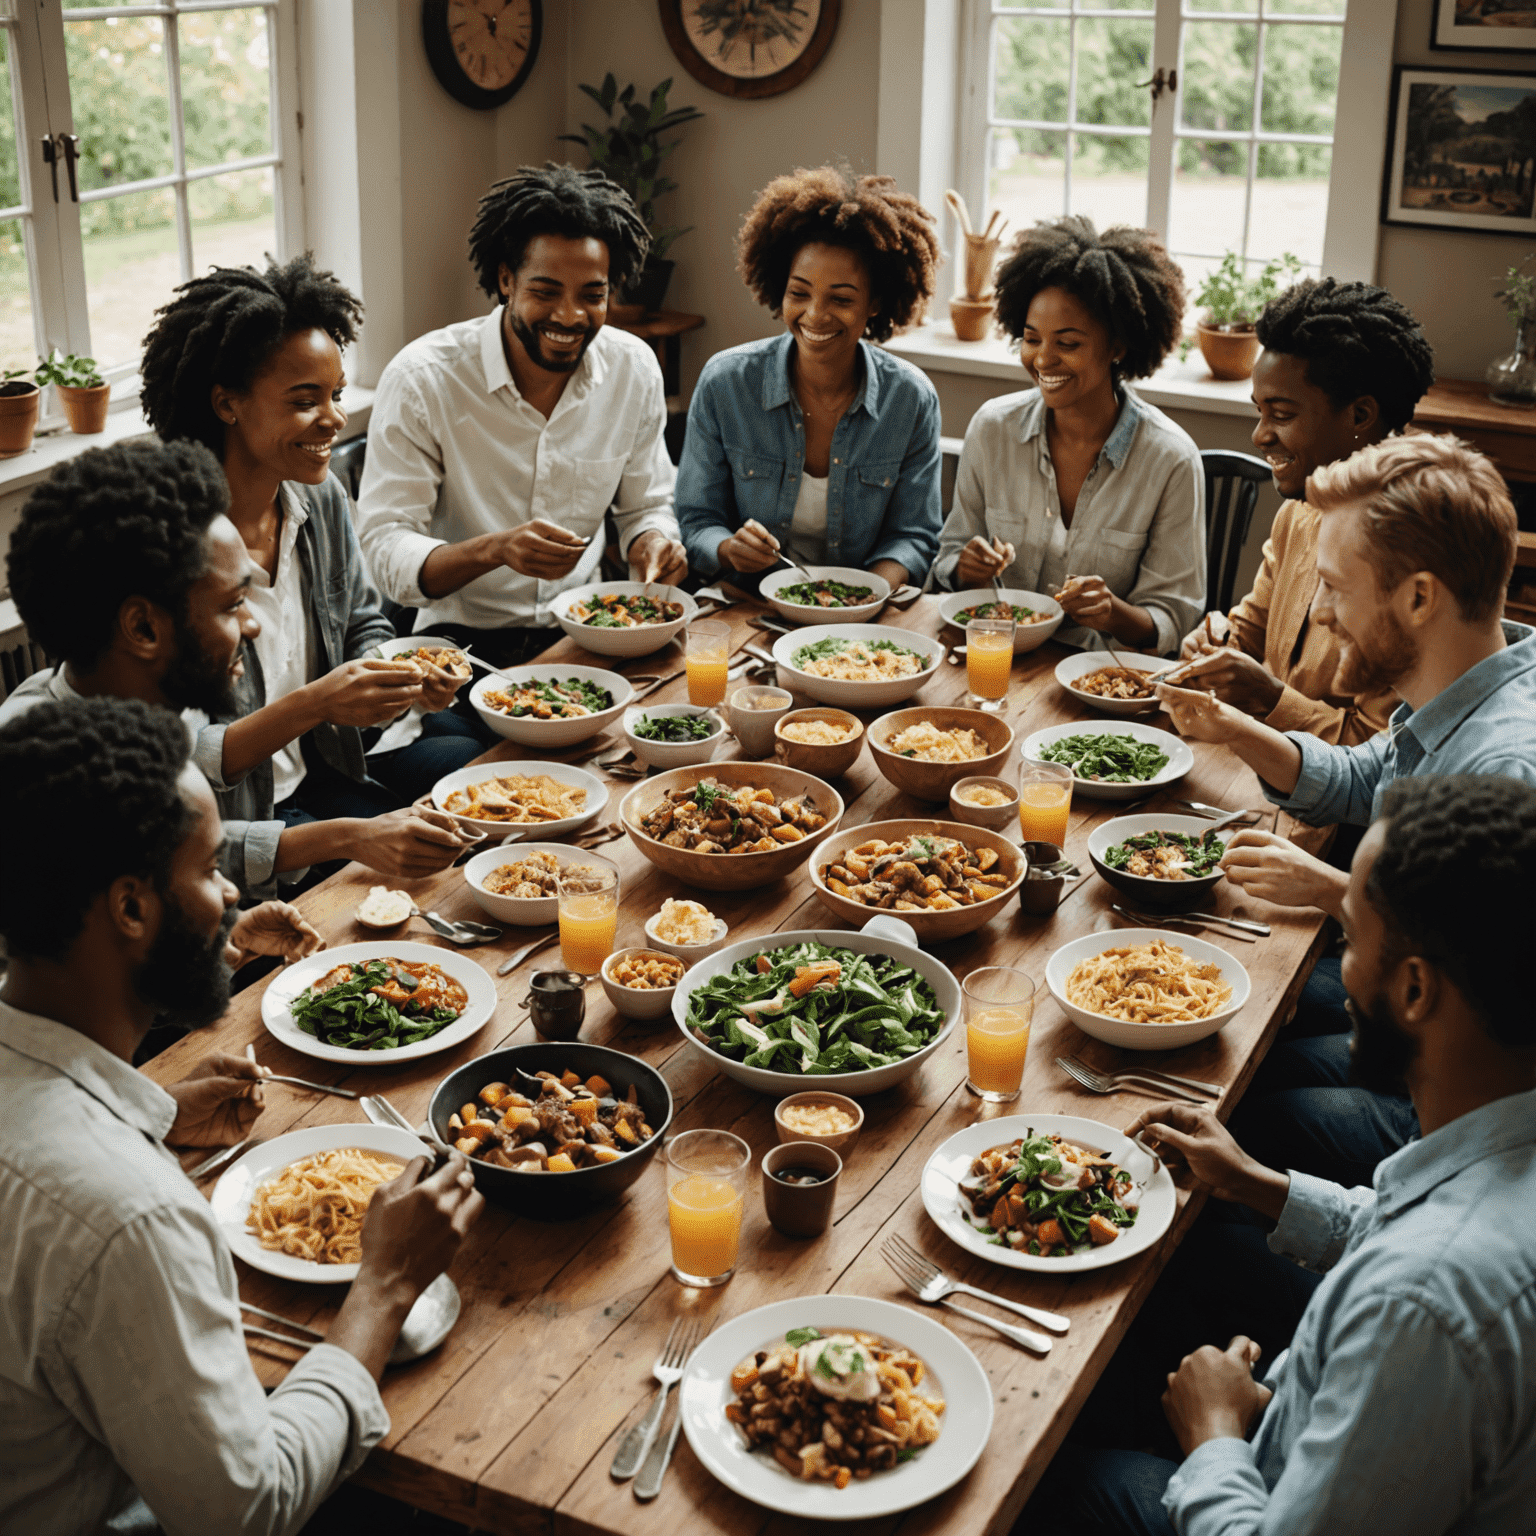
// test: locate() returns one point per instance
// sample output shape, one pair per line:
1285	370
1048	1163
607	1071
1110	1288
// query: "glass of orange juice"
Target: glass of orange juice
707	655
999	1005
988	661
589	915
706	1194
1045	801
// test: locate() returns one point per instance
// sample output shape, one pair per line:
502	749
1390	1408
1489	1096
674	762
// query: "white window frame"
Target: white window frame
51	225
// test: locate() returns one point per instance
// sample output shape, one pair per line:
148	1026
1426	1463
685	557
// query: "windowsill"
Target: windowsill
1186	386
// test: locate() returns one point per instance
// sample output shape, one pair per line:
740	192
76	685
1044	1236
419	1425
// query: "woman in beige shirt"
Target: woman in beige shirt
1343	365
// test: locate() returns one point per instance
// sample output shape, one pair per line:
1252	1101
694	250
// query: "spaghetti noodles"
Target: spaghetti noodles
314	1208
1148	984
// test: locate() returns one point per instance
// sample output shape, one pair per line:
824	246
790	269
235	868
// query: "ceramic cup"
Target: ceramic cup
754	727
1040	894
801	1210
557	1003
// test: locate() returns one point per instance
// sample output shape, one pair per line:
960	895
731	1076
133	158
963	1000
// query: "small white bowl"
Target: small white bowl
639	641
528	732
754	728
1026	637
522	911
672	754
636	1002
994	817
814	613
1071	669
687	953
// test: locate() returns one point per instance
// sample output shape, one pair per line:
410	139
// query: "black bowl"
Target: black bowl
1145	894
553	1196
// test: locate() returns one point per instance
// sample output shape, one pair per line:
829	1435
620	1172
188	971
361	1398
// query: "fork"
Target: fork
931	1290
668	1368
1201	809
1094	1082
939	1285
1192	1083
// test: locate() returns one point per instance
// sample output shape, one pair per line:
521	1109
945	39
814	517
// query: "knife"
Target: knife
517	957
217	1161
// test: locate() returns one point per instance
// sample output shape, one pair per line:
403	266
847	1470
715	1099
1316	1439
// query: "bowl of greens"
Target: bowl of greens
1163	863
833	595
1121	763
851	1013
857	666
550	706
673	735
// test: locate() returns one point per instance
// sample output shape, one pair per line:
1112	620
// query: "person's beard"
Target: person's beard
529	337
1380	1051
196	679
1374	662
184	977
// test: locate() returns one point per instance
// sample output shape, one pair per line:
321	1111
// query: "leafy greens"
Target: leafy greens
1110	757
1201	854
351	1015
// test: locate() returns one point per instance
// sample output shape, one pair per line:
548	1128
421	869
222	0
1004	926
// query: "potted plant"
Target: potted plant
1231	303
631	151
80	388
18	412
1512	379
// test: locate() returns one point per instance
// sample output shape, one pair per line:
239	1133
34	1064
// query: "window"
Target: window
138	144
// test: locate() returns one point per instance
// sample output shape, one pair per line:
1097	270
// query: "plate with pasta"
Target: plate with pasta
1146	989
294	1206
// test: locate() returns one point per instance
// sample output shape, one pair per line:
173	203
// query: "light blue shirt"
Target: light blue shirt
1406	1405
1484	723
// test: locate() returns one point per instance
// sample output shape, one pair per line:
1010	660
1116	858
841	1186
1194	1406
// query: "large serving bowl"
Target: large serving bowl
930	927
1026	637
1180	758
550	1196
1071	670
933	781
1143	1037
1146	893
672	754
730	871
564	773
882	934
528	732
803	613
849	695
522	911
639	641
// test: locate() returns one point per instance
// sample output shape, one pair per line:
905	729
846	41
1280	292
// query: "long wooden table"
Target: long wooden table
511	1424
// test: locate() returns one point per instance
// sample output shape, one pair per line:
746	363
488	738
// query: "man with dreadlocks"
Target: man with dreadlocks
1078	484
498	444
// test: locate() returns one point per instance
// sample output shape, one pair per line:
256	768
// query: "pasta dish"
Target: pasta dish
314	1208
1153	983
859	661
926	742
1115	683
517	798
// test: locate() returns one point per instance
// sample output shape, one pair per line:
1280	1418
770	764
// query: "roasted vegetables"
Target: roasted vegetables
924	874
568	1124
710	817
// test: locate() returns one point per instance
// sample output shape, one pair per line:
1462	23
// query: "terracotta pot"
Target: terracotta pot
1229	354
980	253
18	420
971	318
85	409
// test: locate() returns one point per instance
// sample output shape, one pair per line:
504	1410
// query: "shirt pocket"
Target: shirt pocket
758	481
869	491
594	484
1007	524
1116	555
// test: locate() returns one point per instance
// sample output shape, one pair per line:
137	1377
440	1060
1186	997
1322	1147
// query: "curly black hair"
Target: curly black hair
1452	885
126	521
556	200
1356	340
890	231
91	786
222	328
1125	277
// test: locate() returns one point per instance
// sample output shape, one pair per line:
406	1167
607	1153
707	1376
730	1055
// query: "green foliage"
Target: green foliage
1518	295
1228	297
68	370
631	151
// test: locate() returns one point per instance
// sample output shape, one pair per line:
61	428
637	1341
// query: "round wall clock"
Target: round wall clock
749	48
482	50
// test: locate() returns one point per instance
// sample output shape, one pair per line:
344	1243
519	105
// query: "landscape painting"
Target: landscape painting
1488	26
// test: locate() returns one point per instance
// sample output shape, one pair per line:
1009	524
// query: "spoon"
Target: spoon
461	933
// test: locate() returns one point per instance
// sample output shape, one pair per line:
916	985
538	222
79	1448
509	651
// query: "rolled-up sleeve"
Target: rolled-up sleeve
1315	1223
706	497
644	500
1336	784
1170	583
909	532
248	855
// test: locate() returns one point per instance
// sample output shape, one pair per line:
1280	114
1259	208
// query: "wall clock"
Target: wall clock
482	50
749	48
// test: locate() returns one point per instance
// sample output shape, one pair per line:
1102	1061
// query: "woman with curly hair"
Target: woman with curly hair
816	444
1078	485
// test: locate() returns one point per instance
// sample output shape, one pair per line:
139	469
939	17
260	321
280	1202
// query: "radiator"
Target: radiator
19	656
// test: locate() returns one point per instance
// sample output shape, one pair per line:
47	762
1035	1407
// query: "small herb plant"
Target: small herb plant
68	371
14	381
1518	295
1232	301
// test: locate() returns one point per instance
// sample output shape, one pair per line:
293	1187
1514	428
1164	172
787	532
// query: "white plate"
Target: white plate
956	1373
849	695
809	613
1071	669
232	1195
1180	758
639	641
287	984
564	773
951	1162
1026	636
528	732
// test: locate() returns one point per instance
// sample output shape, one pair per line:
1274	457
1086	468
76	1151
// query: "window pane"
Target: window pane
1290	202
10	174
1305	8
1113	58
1033	60
18	339
225	86
117	87
1216	80
232	223
131	264
1028	176
1205	206
1301	78
1231	7
1109	179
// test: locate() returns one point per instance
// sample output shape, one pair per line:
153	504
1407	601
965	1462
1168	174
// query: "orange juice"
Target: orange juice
1043	809
997	1041
988	664
704	1214
706	678
587	925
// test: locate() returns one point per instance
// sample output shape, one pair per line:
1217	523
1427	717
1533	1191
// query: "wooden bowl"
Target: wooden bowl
930	927
824	762
933	781
731	871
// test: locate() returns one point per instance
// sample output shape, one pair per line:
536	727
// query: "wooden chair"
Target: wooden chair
1232	482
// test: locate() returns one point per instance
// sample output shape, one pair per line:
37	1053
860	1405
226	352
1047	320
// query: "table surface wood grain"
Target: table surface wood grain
511	1424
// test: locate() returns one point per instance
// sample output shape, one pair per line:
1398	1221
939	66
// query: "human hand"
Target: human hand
1235	678
217	1102
750	548
273	928
653	557
1199	716
407	844
439	686
1275	869
1190	1136
372	691
415	1225
980	560
1087	600
542	549
1213	1396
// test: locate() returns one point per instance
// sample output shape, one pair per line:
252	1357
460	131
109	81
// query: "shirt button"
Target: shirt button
837	461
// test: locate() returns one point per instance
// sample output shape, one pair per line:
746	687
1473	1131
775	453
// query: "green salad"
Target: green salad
675	728
1167	855
552	700
1108	757
1021	614
381	1005
813	1009
825	594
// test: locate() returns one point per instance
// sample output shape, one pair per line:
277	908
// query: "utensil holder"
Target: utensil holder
980	253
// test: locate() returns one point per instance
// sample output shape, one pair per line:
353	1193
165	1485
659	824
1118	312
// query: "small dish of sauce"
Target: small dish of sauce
799	1176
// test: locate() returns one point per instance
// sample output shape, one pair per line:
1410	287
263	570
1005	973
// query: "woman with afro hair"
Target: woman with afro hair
814	443
1077	486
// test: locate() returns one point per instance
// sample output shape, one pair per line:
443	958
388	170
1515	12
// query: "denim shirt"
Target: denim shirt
1484	723
745	452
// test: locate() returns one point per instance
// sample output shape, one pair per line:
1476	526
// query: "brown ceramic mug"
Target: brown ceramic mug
800	1210
557	1003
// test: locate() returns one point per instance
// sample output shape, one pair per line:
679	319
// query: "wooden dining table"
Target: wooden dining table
511	1424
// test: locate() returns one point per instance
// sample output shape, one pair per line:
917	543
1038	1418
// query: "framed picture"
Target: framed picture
1486	26
1463	151
750	49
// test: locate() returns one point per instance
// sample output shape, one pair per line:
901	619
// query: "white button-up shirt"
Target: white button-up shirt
124	1379
454	452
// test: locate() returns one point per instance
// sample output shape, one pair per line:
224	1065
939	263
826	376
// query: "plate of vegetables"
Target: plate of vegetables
1122	763
1169	863
623	618
550	706
1051	1193
673	735
1037	616
834	594
397	1001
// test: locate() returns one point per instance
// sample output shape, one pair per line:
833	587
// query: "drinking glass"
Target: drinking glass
589	915
707	656
706	1191
988	662
999	1005
1045	801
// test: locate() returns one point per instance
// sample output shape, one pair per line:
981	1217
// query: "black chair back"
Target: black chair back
347	463
1232	482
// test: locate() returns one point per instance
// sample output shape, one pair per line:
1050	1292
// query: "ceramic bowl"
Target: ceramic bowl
804	613
1144	892
754	727
826	762
522	911
995	818
687	953
1026	637
1180	758
563	773
853	695
528	732
933	781
838	1141
672	754
636	1002
638	641
1071	670
408	645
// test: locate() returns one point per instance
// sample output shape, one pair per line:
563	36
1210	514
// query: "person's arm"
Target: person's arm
909	532
1365	716
1275	758
967	518
706	495
407	844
